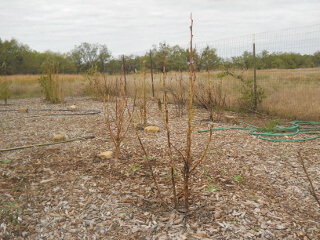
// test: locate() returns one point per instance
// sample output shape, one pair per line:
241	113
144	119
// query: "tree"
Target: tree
177	59
245	61
209	59
87	55
316	59
11	55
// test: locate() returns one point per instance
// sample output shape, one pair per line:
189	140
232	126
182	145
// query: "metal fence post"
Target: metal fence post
254	74
151	67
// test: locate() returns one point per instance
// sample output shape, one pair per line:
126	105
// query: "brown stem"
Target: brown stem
166	121
190	116
204	153
312	190
130	113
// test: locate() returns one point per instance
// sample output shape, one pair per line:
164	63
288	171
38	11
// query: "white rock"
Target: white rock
106	155
151	129
58	137
73	107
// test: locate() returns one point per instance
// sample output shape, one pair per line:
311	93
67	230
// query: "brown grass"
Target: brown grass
291	93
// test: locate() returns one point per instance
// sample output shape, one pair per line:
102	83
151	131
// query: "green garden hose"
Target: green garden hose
281	132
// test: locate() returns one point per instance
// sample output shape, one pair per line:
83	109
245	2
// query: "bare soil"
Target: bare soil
247	188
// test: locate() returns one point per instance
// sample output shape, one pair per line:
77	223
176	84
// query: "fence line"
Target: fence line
302	40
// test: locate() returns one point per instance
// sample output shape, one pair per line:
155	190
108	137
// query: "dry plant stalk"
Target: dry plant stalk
144	87
140	94
146	154
187	161
166	121
177	90
311	189
117	118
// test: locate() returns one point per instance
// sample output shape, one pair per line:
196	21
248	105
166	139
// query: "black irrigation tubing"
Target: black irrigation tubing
72	112
46	144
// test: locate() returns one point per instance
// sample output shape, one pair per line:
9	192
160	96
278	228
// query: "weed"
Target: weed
210	178
253	197
237	178
212	188
250	98
255	229
10	212
269	127
5	162
133	168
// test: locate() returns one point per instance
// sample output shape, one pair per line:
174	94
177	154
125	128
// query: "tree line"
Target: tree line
18	58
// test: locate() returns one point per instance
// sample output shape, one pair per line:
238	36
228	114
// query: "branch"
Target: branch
312	190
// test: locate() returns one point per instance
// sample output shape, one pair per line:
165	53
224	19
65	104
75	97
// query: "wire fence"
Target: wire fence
284	66
302	40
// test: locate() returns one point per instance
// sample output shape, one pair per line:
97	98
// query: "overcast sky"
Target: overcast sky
133	26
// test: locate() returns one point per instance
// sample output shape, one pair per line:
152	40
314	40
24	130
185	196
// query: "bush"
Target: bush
50	83
5	91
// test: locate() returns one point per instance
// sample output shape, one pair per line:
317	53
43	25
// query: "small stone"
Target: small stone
58	137
151	129
23	110
106	155
73	107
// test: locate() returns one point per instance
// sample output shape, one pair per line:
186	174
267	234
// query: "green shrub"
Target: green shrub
249	100
5	91
50	83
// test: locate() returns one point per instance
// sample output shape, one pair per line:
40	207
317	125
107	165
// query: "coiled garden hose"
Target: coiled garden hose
281	132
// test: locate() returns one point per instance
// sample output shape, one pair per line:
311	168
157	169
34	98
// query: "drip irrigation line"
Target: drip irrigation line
46	144
281	132
66	114
70	113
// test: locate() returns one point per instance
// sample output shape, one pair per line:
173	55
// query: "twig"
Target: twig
166	122
312	190
204	153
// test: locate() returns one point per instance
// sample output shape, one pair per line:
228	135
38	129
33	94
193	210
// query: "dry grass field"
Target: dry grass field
290	93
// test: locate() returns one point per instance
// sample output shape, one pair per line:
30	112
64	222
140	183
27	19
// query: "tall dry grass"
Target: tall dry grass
27	86
290	93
